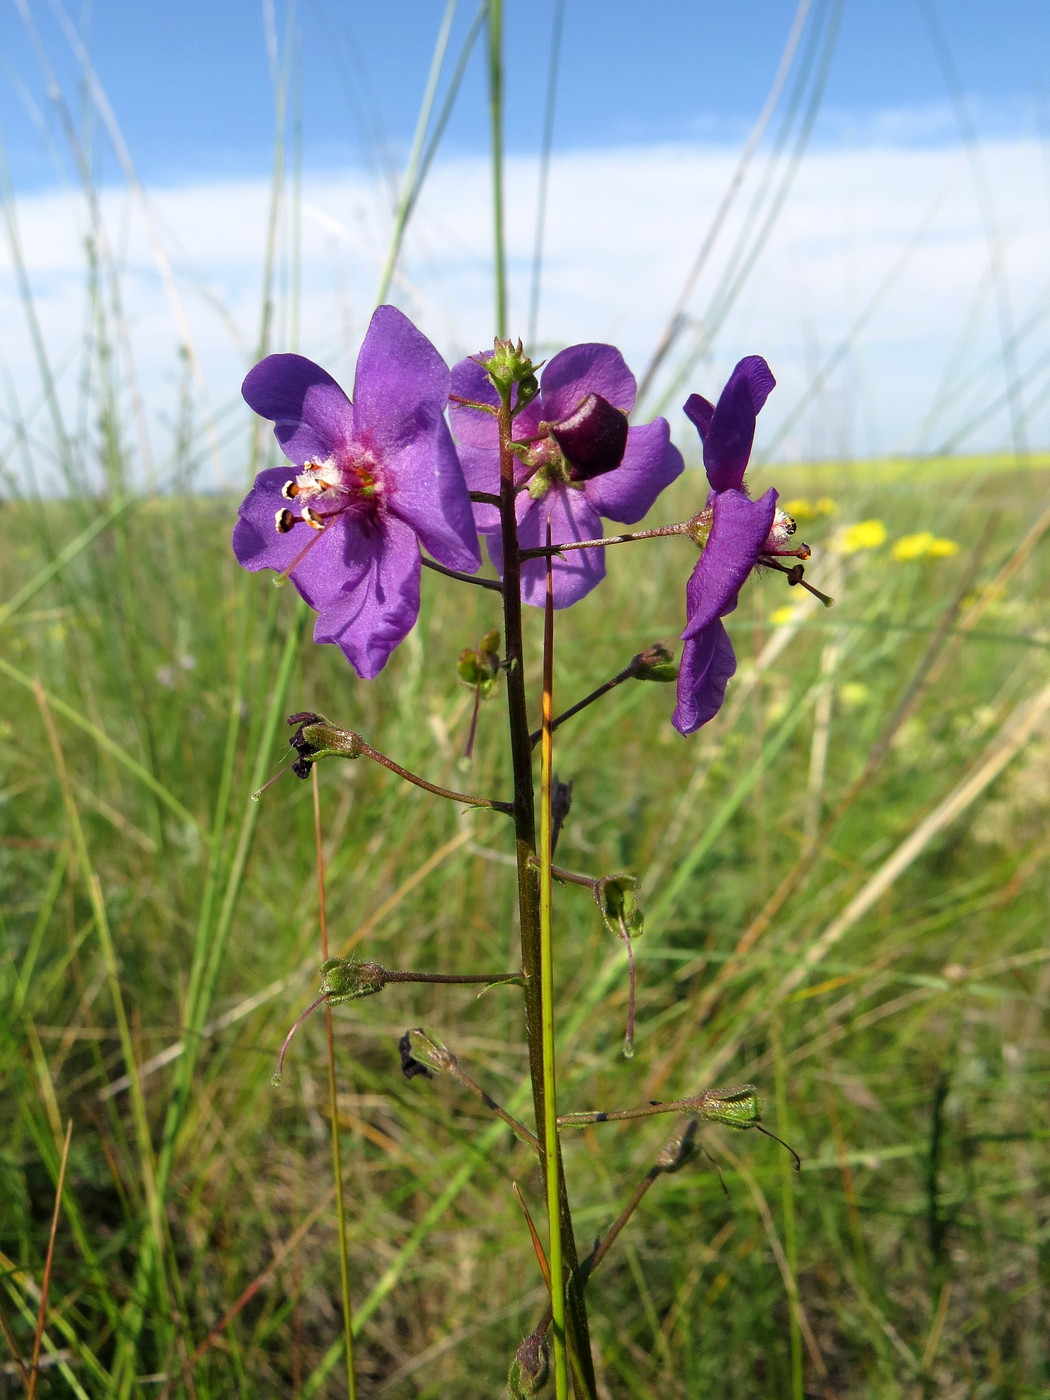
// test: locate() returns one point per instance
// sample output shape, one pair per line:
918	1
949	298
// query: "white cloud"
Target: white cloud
881	253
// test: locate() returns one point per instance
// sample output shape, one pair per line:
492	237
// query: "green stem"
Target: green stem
333	1113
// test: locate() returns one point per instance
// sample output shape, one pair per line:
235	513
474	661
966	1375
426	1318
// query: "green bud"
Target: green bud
342	979
427	1051
734	1108
539	484
316	737
618	900
528	388
530	1370
508	365
656	663
479	666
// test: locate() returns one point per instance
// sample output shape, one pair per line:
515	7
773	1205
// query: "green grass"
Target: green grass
906	1060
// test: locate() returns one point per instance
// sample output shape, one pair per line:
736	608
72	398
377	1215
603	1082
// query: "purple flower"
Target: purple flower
375	479
581	462
735	533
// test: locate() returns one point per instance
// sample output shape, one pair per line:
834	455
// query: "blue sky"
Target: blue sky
894	271
192	89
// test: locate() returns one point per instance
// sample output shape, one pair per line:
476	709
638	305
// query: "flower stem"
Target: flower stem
660	532
367	751
492	583
550	1122
624	675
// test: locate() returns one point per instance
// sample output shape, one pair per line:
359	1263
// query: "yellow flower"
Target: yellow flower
803	510
854	694
913	546
924	545
866	534
943	549
783	615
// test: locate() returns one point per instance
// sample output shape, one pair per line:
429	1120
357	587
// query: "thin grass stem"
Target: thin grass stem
333	1111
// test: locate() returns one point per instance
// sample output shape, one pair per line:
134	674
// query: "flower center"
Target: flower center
329	489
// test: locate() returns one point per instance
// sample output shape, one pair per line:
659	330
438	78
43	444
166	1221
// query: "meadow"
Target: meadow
844	876
845	885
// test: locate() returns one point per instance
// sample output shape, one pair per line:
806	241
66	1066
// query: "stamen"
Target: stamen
282	577
789	525
290	490
312	519
795	576
284	520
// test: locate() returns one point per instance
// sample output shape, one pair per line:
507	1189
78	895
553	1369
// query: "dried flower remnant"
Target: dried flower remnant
577	460
376	479
735	533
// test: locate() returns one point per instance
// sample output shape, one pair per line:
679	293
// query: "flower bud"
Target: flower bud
316	737
509	365
418	1048
530	1369
656	663
593	439
342	979
740	1107
479	666
618	901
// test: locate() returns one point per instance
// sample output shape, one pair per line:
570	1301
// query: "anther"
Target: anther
312	518
284	520
290	490
789	525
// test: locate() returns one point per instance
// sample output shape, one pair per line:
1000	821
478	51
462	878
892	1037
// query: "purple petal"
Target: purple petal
699	411
401	385
649	464
312	416
379	605
731	430
708	662
738	532
258	545
430	494
581	370
572	518
471	427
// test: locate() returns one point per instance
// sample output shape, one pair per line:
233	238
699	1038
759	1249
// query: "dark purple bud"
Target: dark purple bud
530	1369
593	439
